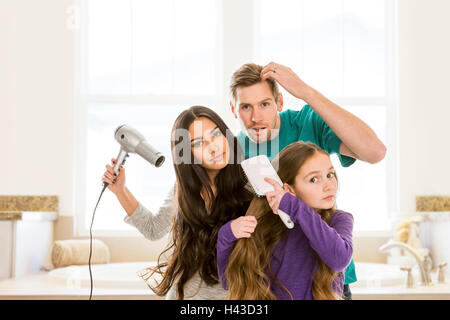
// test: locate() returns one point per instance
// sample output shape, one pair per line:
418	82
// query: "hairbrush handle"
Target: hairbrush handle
286	219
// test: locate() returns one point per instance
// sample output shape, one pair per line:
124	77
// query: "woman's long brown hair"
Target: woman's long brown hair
195	228
248	272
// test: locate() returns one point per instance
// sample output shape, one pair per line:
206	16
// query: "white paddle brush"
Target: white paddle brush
256	169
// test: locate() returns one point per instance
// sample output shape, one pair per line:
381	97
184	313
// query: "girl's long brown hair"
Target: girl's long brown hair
195	228
248	273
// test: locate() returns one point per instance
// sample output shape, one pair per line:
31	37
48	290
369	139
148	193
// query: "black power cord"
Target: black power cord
105	184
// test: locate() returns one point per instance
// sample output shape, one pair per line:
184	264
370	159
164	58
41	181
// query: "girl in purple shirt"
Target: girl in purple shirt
259	258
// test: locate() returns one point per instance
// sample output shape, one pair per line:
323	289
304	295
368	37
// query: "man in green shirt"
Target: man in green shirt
266	129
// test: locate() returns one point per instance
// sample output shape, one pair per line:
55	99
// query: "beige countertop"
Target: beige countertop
432	203
18	207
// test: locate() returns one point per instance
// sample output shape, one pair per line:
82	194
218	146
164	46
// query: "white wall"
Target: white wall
424	69
36	100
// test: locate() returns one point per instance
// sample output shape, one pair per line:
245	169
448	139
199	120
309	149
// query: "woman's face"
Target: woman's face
209	146
315	183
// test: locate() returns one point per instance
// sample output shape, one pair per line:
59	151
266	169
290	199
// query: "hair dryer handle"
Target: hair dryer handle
120	160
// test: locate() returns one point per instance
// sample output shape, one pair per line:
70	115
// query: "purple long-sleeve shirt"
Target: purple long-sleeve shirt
293	262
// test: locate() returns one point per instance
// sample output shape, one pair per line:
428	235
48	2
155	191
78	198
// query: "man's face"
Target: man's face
258	111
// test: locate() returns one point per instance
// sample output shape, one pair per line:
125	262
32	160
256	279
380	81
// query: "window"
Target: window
142	62
344	49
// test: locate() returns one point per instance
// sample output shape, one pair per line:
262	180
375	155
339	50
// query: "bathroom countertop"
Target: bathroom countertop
10	215
29	203
434	292
432	203
28	207
36	287
27	216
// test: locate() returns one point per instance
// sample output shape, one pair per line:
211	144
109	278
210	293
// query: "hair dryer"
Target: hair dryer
131	141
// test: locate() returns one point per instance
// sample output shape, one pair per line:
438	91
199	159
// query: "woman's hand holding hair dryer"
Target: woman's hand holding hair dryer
116	183
117	186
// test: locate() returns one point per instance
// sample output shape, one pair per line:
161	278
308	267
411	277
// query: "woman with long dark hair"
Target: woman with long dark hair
210	190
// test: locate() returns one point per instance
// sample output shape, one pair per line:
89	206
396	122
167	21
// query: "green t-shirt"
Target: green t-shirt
304	125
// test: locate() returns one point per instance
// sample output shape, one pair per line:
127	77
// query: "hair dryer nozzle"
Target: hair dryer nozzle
146	151
132	141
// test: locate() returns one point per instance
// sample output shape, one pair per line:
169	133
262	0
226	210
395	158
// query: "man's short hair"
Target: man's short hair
248	75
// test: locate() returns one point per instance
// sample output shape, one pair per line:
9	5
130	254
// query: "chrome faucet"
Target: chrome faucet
425	279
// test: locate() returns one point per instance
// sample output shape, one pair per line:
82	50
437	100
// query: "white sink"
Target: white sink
375	275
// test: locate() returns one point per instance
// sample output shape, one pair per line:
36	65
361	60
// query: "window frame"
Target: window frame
229	36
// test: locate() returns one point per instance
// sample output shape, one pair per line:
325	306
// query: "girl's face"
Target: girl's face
209	146
315	183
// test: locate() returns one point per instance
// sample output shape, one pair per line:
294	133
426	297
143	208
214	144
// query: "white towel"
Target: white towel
76	252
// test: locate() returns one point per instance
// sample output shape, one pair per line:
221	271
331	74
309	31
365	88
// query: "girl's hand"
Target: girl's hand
274	197
244	226
116	183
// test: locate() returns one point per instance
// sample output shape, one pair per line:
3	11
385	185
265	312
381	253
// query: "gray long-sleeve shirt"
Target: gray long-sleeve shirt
154	227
